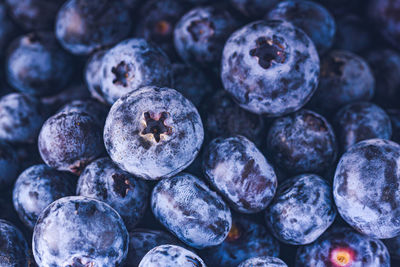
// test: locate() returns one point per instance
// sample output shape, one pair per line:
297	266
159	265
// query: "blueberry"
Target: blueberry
302	142
9	164
360	121
83	26
270	67
345	78
14	249
254	9
153	132
157	21
36	188
37	65
171	255
104	181
79	231
68	141
8	29
34	14
202	219
302	209
142	241
384	13
89	106
200	35
314	19
246	239
130	65
366	187
93	75
191	82
343	247
21	117
394	115
225	118
263	262
240	173
385	64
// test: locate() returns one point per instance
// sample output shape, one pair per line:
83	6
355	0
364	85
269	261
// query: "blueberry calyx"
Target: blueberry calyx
156	126
121	184
162	27
268	51
122	73
201	30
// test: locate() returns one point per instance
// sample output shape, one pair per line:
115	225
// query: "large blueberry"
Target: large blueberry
153	132
270	67
201	33
130	65
68	141
9	164
202	219
302	142
342	246
302	209
79	231
14	251
246	239
314	19
263	262
83	26
36	188
93	75
88	106
360	121
240	172
21	117
103	180
366	188
37	65
345	78
170	256
142	241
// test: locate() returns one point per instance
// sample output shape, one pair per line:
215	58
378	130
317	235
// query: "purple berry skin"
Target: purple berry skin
36	188
202	220
302	209
345	78
153	132
358	250
313	18
385	64
361	121
302	142
37	65
103	180
68	141
14	250
263	262
9	164
270	67
83	26
200	35
142	241
385	14
254	9
240	173
366	188
246	239
97	110
34	14
157	22
93	75
132	64
191	82
224	117
79	231
21	117
170	256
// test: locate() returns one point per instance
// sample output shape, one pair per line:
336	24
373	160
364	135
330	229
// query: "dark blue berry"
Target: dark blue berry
9	164
270	67
36	188
89	106
263	262
14	251
8	29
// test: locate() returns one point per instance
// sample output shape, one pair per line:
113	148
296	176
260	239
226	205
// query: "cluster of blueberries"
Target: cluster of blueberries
194	133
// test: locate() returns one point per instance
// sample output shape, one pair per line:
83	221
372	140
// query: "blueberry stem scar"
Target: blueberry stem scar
156	127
